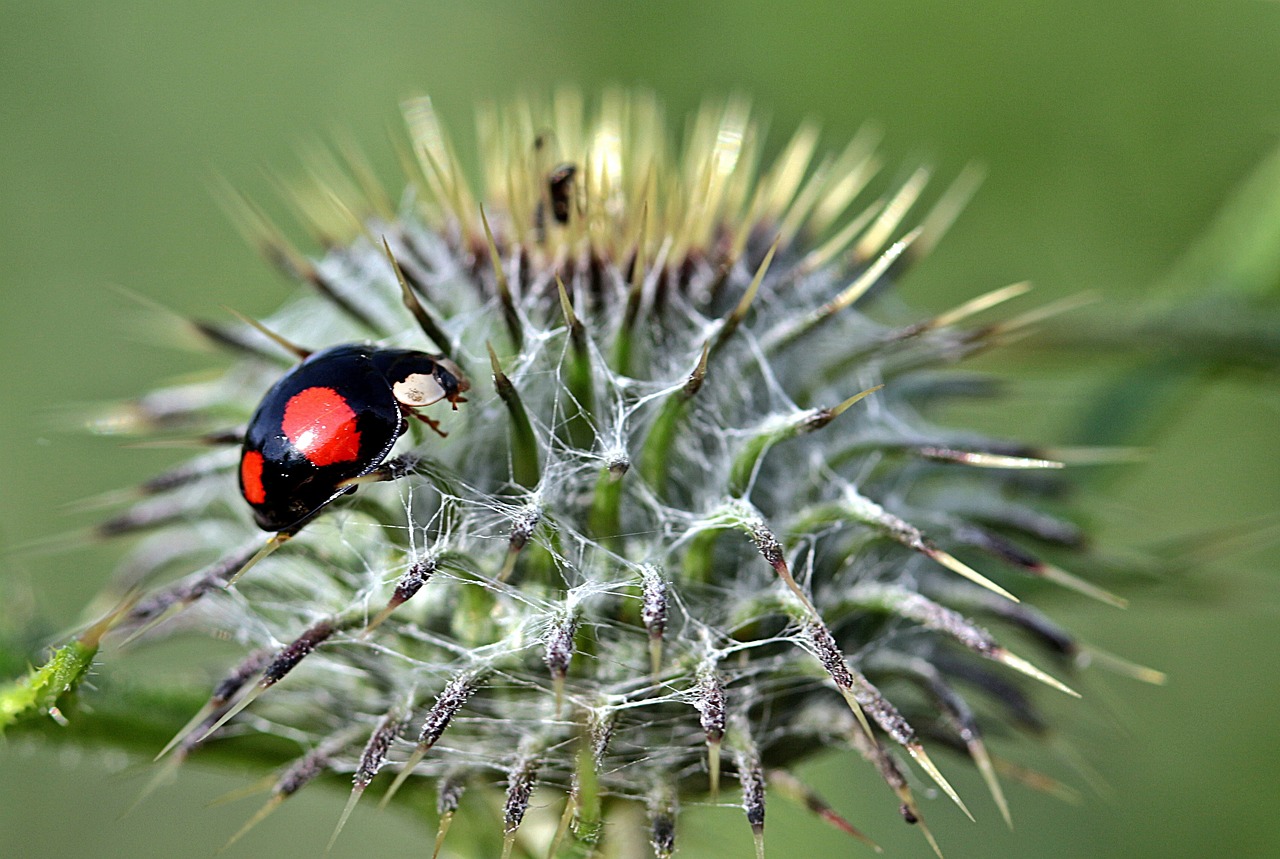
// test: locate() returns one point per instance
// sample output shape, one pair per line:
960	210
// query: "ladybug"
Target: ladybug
334	418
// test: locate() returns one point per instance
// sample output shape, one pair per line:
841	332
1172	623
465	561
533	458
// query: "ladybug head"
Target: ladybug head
418	379
450	377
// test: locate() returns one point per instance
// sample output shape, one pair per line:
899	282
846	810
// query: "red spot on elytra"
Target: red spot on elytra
321	426
251	477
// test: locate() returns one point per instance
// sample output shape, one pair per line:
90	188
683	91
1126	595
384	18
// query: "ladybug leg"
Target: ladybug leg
432	422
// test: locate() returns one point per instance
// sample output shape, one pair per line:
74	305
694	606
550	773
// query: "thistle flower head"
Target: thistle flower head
691	523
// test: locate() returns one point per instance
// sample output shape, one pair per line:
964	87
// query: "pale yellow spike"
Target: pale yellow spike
957	566
739	197
749	296
856	708
557	686
698	139
689	233
834	246
909	803
974	306
853	170
508	842
784	573
725	150
594	225
508	565
325	171
179	332
1097	781
269	806
1037	781
523	136
928	836
1017	663
163	775
949	207
405	771
844	407
671	216
758	835
356	793
566	305
448	192
411	166
562	829
892	216
424	126
201	714
301	198
739	312
260	231
874	272
788	171
1059	576
797	213
299	352
169	613
979	459
649	165
495	259
917	751
655	656
355	225
641	227
493	148
245	701
446	820
713	768
1046	311
277	540
1120	665
521	211
253	788
379	618
982	760
743	230
373	191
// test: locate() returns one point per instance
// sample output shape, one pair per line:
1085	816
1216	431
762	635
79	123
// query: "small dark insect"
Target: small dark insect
560	190
557	195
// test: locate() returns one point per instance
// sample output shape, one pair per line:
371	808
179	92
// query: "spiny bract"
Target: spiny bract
693	518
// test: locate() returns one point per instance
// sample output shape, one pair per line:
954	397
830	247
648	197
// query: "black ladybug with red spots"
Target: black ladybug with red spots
332	419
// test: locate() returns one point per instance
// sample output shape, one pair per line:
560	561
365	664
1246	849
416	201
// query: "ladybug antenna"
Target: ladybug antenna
297	351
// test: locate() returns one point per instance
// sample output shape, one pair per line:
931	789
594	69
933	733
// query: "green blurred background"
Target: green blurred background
1112	132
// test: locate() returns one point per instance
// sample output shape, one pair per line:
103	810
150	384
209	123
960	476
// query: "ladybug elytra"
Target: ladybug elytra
331	419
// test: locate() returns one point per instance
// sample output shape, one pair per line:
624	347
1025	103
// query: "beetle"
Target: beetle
334	418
